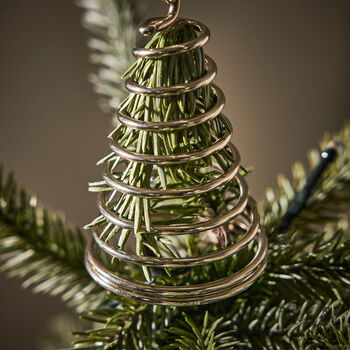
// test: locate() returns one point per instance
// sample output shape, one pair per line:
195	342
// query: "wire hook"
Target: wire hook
156	24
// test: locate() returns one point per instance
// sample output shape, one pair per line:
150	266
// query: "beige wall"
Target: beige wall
283	64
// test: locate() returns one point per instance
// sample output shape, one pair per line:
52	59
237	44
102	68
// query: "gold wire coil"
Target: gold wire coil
243	213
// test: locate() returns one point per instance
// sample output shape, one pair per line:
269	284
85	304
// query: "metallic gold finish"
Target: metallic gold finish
242	214
171	159
177	89
185	262
201	40
177	124
154	25
180	295
198	227
173	193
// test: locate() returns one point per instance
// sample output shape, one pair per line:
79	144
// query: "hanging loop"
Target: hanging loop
156	24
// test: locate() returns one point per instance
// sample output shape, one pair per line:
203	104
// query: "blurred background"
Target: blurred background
283	65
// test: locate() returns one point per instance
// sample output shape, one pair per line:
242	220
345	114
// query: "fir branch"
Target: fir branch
126	324
333	335
300	200
37	246
112	26
329	201
315	269
195	337
286	325
315	247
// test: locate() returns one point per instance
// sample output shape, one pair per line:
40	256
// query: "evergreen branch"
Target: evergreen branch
330	199
312	253
113	29
334	335
126	325
38	246
287	325
300	200
201	338
318	269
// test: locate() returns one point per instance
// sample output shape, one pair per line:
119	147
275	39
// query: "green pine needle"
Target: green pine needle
112	24
38	247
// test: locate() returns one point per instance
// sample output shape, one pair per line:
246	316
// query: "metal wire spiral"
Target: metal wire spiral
243	214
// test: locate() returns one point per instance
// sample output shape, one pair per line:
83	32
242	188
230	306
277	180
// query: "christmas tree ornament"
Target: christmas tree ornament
173	187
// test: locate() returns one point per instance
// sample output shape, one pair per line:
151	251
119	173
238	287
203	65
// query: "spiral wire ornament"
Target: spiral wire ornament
242	215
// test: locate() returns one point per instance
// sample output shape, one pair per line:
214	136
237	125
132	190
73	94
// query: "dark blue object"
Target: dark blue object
300	200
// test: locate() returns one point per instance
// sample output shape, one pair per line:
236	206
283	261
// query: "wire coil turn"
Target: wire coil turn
243	213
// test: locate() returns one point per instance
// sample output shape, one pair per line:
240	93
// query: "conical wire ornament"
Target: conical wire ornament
173	181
